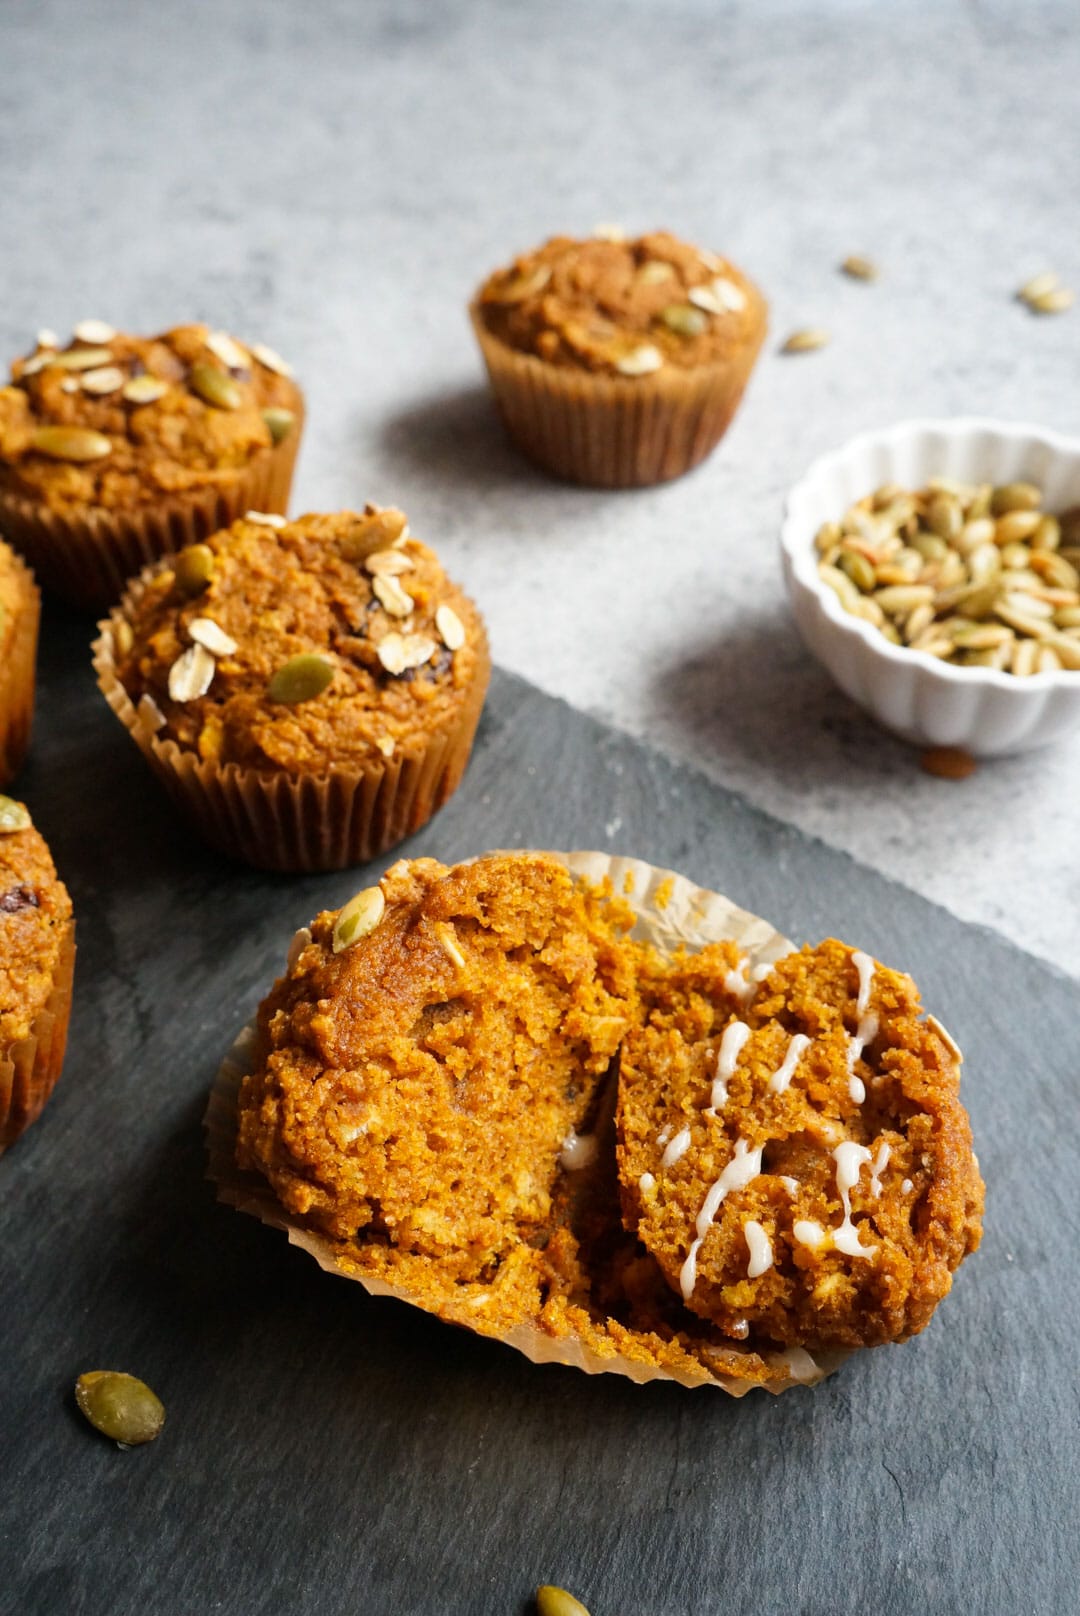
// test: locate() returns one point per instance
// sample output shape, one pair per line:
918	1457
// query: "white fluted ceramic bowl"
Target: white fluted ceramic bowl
919	697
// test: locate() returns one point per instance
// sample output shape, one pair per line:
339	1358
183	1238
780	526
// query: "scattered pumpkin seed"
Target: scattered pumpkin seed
145	389
806	340
358	918
1039	285
551	1601
684	320
266	519
450	627
1025	656
228	350
108	379
391	596
388	563
302	678
271	359
860	268
120	1406
1015	497
204	631
95	332
192	674
215	387
70	443
279	423
193	568
718	296
641	361
400	652
13	816
948	762
81	358
1055	302
651	273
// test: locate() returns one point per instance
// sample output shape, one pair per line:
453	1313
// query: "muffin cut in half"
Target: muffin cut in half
20	613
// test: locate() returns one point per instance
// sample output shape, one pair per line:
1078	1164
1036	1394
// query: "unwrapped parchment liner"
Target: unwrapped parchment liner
278	821
670	911
17	674
613	431
87	558
30	1067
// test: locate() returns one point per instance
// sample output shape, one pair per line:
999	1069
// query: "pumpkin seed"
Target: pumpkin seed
946	517
806	340
204	631
1068	617
948	762
81	358
228	350
70	443
302	678
841	585
95	332
684	320
1055	302
109	379
450	627
640	361
1034	627
1038	286
551	1601
145	389
1048	660
1016	525
358	918
982	637
215	387
860	268
391	596
279	423
13	816
919	621
400	652
1015	497
903	598
271	359
120	1406
651	273
192	674
1066	650
828	535
859	570
193	568
1025	656
1058	572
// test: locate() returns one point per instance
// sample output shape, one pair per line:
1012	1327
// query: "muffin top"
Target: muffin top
419	1069
116	422
799	1165
35	912
332	640
17	592
627	308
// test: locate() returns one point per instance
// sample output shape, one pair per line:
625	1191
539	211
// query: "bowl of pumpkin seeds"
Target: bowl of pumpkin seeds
934	569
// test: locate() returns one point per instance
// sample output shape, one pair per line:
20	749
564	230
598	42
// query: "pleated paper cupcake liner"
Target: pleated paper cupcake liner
670	913
87	559
17	677
305	823
614	431
30	1067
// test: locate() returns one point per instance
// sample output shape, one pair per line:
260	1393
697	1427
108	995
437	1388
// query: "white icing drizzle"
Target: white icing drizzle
790	1184
665	1134
646	1181
798	1362
578	1150
760	1248
780	1079
677	1148
849	1158
731	1047
736	983
865	967
740	1329
759	973
809	1233
868	1023
906	1187
881	1161
744	1166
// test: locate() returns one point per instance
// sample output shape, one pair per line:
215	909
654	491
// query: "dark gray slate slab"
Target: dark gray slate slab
330	1453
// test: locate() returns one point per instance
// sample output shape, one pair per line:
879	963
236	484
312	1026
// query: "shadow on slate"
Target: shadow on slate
328	1453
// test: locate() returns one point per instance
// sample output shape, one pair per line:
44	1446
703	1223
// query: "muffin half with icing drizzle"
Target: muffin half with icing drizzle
795	1154
308	691
116	449
618	363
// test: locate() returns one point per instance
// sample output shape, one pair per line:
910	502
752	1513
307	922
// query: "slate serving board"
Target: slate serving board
326	1452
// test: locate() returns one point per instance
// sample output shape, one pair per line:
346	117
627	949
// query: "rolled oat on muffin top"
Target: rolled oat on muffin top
115	422
628	307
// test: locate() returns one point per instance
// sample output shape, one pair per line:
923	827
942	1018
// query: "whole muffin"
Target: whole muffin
37	958
20	612
308	691
618	363
117	449
800	1166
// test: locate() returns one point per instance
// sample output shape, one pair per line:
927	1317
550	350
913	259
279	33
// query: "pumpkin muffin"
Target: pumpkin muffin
800	1166
117	449
618	363
37	957
308	691
20	611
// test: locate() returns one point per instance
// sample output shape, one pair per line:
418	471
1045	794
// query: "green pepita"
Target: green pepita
13	816
119	1406
279	423
81	358
215	387
684	319
358	918
302	678
193	569
70	443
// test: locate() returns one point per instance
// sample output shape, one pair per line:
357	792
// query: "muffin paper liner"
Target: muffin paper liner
671	912
276	821
30	1067
87	559
17	675
614	431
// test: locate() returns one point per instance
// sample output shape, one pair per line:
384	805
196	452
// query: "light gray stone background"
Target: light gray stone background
336	178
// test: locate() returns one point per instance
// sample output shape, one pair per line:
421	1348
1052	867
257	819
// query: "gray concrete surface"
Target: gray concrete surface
336	178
